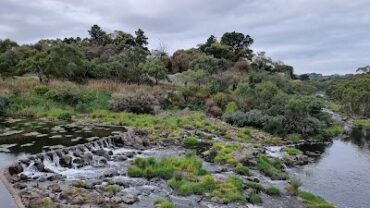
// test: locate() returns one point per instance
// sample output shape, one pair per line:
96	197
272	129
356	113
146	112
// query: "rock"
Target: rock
78	161
129	198
55	177
55	188
66	161
121	158
39	166
15	169
20	186
23	177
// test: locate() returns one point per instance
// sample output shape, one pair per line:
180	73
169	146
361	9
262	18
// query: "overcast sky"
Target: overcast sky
323	36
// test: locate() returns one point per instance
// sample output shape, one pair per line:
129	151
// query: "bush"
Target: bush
294	137
162	203
273	191
257	186
133	102
40	89
231	107
242	170
4	101
65	92
255	199
242	65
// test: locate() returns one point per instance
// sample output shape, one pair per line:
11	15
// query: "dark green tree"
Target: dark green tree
141	39
154	69
98	36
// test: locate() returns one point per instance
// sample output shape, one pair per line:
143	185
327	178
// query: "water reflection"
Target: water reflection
341	173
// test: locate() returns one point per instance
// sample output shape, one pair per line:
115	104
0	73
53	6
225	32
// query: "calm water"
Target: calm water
20	138
342	173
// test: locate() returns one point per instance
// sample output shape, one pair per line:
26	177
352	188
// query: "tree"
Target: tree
123	40
211	40
155	69
38	63
239	43
7	44
141	39
98	36
8	63
365	69
206	63
66	61
220	51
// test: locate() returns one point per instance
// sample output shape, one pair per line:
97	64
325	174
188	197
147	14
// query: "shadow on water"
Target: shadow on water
340	173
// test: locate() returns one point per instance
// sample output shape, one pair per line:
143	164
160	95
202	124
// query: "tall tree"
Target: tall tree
6	45
141	39
38	63
97	35
240	44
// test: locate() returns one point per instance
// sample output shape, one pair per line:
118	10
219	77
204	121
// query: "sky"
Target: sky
322	36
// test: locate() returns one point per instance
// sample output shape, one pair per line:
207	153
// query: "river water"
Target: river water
341	174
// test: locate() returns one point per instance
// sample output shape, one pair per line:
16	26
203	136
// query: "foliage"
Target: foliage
272	191
292	187
255	199
191	142
229	190
4	101
133	102
353	94
155	69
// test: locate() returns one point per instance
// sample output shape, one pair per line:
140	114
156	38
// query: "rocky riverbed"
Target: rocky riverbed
95	175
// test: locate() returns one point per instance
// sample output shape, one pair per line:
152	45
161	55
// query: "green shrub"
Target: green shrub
272	191
133	102
313	201
222	153
65	92
162	203
231	107
335	129
40	89
4	102
191	142
255	199
271	168
292	151
294	137
242	170
112	189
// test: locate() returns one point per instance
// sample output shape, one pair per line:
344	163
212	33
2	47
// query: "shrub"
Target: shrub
231	107
273	191
40	89
133	102
271	168
112	189
65	92
242	65
294	137
255	199
162	203
292	151
4	101
335	129
242	170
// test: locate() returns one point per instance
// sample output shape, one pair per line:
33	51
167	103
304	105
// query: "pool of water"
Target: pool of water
341	174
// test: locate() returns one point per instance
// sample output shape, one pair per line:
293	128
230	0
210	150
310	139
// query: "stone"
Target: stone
55	188
15	169
20	186
129	198
66	161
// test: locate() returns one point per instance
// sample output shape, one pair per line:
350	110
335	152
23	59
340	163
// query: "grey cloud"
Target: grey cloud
326	36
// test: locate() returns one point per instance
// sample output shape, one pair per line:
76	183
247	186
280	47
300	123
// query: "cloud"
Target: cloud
325	36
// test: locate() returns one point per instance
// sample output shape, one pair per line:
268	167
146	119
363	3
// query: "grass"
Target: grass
190	165
191	142
256	186
363	123
293	187
272	191
255	199
271	168
112	189
335	129
229	190
294	137
162	203
292	151
223	153
313	201
242	170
